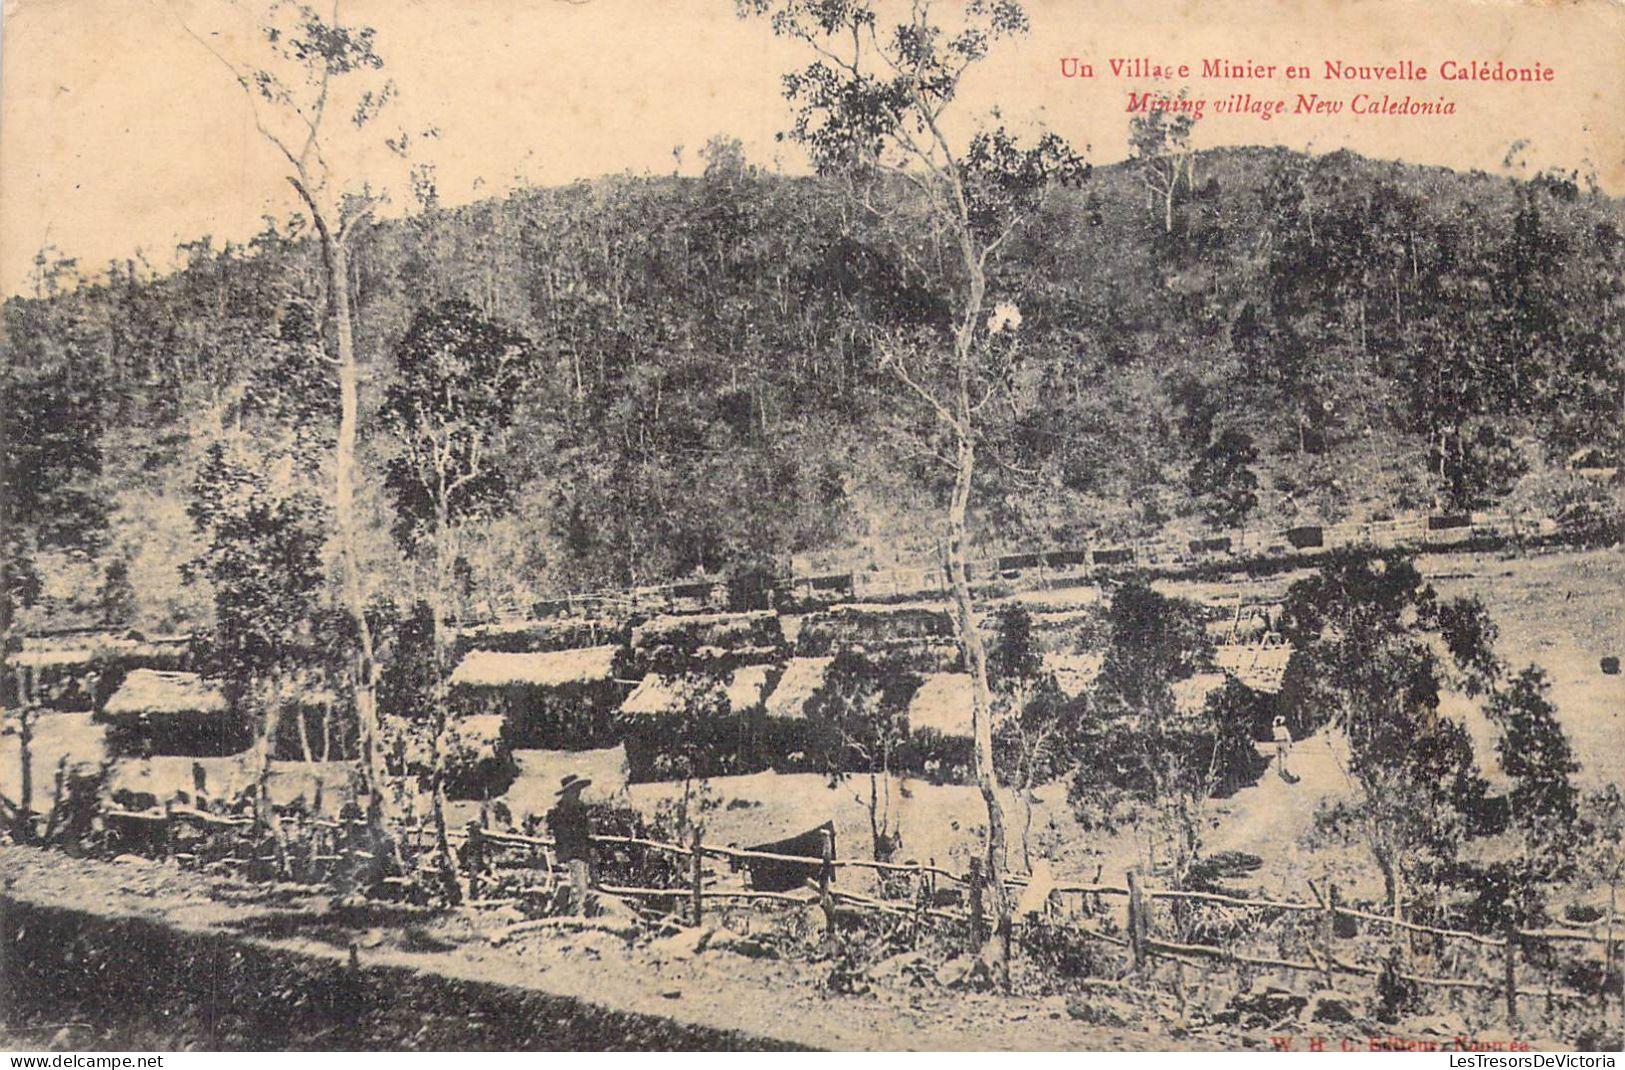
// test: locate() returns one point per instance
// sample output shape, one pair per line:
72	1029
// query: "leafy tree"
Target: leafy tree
1034	734
53	455
1536	754
1469	635
117	594
450	412
1142	742
860	720
266	533
410	672
871	107
1222	479
1162	149
1603	862
314	68
1478	463
1361	628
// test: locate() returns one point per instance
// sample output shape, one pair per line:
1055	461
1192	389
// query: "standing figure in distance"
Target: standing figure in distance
572	838
1283	748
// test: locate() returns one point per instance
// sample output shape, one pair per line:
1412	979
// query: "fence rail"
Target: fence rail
1136	938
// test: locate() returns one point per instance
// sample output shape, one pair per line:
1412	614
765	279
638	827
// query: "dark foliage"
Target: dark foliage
708	394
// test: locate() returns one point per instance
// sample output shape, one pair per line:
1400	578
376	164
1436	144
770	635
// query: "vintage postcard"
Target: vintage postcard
1015	525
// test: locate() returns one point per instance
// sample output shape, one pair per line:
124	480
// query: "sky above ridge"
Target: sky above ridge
120	132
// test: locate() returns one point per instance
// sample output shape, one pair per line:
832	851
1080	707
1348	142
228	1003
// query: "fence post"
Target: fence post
698	872
1136	922
1608	960
919	908
825	872
1512	975
1328	928
978	933
476	858
169	829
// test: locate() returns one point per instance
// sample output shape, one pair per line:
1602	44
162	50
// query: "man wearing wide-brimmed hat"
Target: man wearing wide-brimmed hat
571	827
1283	748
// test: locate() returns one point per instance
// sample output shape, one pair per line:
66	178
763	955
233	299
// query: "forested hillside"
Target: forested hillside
1314	337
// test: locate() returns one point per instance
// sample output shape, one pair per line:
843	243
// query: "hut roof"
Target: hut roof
149	691
51	658
802	679
659	695
1259	667
490	668
1074	673
730	629
943	704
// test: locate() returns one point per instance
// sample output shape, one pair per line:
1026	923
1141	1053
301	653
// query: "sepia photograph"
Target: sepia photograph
812	525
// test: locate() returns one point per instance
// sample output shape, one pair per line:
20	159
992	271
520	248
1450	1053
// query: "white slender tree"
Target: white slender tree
316	86
872	108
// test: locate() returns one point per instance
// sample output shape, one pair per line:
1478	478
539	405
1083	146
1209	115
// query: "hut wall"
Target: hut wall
189	734
541	636
548	717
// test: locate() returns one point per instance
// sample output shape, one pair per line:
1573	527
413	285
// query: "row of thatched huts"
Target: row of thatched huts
702	695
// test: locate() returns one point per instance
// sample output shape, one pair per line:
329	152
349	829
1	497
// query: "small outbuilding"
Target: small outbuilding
939	725
174	713
556	700
697	723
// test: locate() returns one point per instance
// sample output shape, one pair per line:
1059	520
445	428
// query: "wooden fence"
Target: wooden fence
480	846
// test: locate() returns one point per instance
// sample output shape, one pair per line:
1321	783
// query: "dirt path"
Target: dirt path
766	1001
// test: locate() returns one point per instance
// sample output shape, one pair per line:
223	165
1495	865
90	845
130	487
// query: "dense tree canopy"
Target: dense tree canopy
709	393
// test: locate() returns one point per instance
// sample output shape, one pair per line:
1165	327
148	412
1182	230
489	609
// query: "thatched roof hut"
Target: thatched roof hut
727	735
554	668
803	678
176	713
873	626
550	699
658	695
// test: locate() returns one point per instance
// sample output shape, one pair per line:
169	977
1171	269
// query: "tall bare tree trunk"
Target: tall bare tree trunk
995	956
369	743
994	960
26	713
